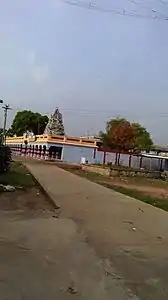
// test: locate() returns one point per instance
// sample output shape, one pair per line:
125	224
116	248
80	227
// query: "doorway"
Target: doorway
55	152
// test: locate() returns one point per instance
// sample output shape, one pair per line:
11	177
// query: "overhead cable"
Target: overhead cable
116	11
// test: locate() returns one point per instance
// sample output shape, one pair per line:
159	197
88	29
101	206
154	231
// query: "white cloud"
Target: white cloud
39	71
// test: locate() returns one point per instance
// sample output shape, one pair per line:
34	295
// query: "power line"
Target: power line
98	112
153	10
122	12
163	2
112	113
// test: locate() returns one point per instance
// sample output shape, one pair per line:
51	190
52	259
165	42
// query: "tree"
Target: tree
119	134
2	133
122	135
28	120
143	140
107	136
40	124
9	132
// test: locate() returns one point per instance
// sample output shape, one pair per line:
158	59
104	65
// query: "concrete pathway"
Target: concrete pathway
118	246
46	258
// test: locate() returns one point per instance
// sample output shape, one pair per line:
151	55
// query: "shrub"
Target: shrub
5	158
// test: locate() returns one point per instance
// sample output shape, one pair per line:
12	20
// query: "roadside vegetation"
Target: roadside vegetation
5	158
17	176
151	191
19	191
13	173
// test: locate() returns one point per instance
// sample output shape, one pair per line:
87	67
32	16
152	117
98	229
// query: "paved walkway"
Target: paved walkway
128	237
47	259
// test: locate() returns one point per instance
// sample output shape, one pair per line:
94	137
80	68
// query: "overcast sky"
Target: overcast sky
92	65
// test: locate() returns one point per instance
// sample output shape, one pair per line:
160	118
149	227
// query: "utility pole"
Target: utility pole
6	107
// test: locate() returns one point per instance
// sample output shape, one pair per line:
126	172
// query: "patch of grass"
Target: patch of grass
90	175
154	201
130	180
100	179
116	167
146	181
17	176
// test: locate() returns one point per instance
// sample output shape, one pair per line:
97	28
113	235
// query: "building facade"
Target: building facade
82	150
69	149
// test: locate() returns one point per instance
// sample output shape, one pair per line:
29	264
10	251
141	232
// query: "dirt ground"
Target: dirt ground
29	200
152	187
149	188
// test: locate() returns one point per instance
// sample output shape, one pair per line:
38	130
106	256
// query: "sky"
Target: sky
91	64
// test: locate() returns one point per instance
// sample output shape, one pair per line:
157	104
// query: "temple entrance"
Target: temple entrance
55	152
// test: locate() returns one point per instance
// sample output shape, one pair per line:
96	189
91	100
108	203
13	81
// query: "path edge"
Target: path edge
43	189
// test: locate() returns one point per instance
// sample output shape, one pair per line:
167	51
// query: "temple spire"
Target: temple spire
55	124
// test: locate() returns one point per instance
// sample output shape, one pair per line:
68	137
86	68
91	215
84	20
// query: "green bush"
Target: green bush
5	158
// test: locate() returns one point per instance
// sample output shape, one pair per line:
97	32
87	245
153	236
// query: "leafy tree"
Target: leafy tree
122	135
107	136
9	132
143	140
119	134
1	134
40	123
28	120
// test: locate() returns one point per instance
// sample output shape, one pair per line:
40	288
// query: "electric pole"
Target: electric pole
6	107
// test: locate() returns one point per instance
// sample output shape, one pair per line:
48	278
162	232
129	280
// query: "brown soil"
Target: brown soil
31	199
147	186
153	191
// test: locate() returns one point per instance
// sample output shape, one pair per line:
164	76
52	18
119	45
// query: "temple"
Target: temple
55	124
54	144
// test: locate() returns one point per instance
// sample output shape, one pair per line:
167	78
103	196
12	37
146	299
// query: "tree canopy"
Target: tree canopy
123	135
143	140
28	120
